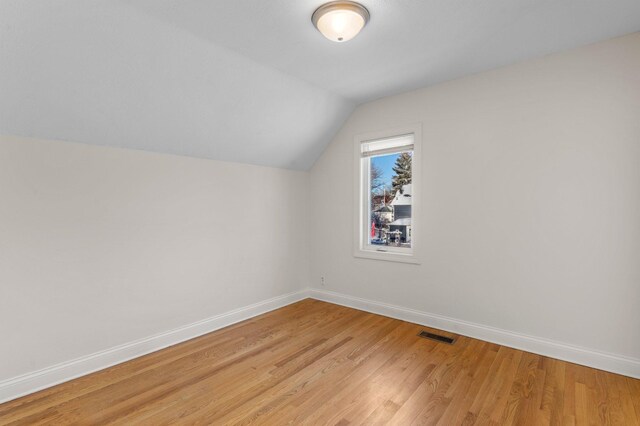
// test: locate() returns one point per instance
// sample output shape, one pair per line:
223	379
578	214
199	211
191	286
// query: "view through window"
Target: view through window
388	189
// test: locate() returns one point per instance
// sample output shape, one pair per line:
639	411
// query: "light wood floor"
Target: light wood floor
318	363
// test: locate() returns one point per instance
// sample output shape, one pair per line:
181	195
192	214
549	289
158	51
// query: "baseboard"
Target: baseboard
591	358
32	382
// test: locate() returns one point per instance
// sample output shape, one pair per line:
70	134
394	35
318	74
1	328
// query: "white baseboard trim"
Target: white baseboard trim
32	382
578	355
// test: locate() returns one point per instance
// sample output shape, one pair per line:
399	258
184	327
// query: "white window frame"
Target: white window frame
361	198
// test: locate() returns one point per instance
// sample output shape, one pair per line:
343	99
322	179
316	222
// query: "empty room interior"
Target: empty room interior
301	212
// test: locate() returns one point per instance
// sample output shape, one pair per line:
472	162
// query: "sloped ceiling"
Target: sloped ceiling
251	80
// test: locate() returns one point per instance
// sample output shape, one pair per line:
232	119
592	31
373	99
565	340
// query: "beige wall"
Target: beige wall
531	200
530	221
103	246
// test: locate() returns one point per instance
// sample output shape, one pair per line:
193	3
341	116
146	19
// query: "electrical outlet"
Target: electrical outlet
322	281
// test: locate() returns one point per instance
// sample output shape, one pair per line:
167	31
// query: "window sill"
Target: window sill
387	256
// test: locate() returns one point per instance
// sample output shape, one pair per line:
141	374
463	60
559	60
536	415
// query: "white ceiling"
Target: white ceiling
252	80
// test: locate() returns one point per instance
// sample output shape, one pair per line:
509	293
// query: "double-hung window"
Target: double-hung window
387	167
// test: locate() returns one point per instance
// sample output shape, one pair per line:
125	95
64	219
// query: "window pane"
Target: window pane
390	199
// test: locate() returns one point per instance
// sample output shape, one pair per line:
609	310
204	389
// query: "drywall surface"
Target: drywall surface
103	246
109	74
530	219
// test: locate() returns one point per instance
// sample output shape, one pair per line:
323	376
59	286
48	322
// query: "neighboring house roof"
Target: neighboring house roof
403	199
401	222
384	209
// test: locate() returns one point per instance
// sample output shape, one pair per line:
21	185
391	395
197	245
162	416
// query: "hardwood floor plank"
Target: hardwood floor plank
552	403
229	340
525	400
257	372
317	363
443	388
339	395
633	386
621	408
460	408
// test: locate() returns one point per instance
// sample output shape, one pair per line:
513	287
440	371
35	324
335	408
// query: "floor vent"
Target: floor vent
437	337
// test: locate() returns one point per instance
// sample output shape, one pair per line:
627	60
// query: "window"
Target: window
386	170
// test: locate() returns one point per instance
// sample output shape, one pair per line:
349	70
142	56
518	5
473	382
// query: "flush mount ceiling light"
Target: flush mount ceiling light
340	20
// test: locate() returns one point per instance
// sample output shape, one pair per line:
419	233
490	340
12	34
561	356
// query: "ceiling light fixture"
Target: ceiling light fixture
340	20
